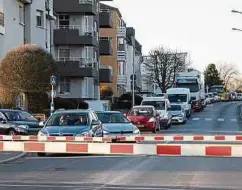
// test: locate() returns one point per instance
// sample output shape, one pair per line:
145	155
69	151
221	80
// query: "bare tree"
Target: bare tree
163	65
227	72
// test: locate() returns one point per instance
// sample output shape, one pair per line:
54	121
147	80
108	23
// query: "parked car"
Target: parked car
18	122
145	118
116	124
72	123
178	114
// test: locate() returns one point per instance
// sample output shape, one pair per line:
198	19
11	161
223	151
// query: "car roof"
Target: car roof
108	112
73	111
145	106
10	110
174	104
154	98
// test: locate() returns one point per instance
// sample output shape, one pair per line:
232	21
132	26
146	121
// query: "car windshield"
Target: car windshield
192	87
112	117
159	105
141	111
175	108
68	119
19	116
177	97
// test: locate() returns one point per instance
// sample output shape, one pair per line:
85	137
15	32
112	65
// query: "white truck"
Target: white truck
193	80
181	96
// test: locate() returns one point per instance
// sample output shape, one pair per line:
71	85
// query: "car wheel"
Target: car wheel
12	132
41	154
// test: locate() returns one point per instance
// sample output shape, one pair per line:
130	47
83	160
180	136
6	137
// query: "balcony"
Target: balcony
122	80
76	67
121	32
105	46
105	19
26	1
87	7
105	74
121	55
74	35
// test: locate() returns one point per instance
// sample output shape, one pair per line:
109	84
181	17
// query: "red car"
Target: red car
145	118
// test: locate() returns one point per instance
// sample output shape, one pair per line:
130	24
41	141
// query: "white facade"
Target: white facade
24	23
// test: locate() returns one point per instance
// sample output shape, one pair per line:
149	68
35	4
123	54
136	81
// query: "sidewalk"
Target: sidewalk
10	156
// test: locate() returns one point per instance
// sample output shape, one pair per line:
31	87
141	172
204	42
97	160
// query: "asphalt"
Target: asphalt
135	172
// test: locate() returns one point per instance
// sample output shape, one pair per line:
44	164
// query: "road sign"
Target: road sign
131	77
53	80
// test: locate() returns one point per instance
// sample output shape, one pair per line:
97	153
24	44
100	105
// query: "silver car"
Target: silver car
115	124
178	114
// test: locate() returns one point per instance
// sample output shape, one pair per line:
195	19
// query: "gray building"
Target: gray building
76	48
25	21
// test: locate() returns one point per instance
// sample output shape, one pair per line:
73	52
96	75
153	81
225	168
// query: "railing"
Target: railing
83	62
92	2
121	55
122	79
82	30
121	32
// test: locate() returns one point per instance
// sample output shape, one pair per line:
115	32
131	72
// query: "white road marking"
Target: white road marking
208	119
220	119
233	120
195	119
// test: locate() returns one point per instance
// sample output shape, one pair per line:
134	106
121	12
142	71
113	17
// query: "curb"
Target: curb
23	154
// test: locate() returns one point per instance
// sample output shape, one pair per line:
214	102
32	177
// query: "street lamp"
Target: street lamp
234	11
237	29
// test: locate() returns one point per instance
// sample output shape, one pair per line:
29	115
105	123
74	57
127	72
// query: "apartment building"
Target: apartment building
25	21
134	60
76	49
117	34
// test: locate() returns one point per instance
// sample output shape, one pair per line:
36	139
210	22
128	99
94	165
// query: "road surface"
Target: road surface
135	172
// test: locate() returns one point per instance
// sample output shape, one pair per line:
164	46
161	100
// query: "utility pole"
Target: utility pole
53	83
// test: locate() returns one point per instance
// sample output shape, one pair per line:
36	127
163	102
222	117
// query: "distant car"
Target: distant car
178	114
239	96
18	122
145	118
72	123
116	124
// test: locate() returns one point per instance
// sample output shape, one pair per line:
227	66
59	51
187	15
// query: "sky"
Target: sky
203	28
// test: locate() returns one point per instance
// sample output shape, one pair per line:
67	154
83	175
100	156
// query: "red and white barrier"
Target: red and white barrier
188	138
125	149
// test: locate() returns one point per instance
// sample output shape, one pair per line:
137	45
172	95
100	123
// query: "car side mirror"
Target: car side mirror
42	123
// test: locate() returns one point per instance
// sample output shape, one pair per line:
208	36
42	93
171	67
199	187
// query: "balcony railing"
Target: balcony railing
121	32
82	30
83	62
122	80
92	2
121	55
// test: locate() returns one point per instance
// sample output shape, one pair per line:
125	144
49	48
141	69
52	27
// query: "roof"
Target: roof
104	6
108	112
155	98
145	106
73	111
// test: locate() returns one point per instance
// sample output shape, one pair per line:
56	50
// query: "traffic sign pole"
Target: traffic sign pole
53	83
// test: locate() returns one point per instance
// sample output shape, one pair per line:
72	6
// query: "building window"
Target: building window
1	19
39	18
21	14
64	54
65	85
64	21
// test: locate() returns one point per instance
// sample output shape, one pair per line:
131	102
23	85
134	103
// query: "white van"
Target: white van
99	105
181	95
161	105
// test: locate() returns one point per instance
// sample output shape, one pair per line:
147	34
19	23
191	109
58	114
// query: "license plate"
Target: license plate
140	126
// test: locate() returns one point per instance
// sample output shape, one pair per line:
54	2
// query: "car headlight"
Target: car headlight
152	119
41	134
136	131
24	126
105	132
84	134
